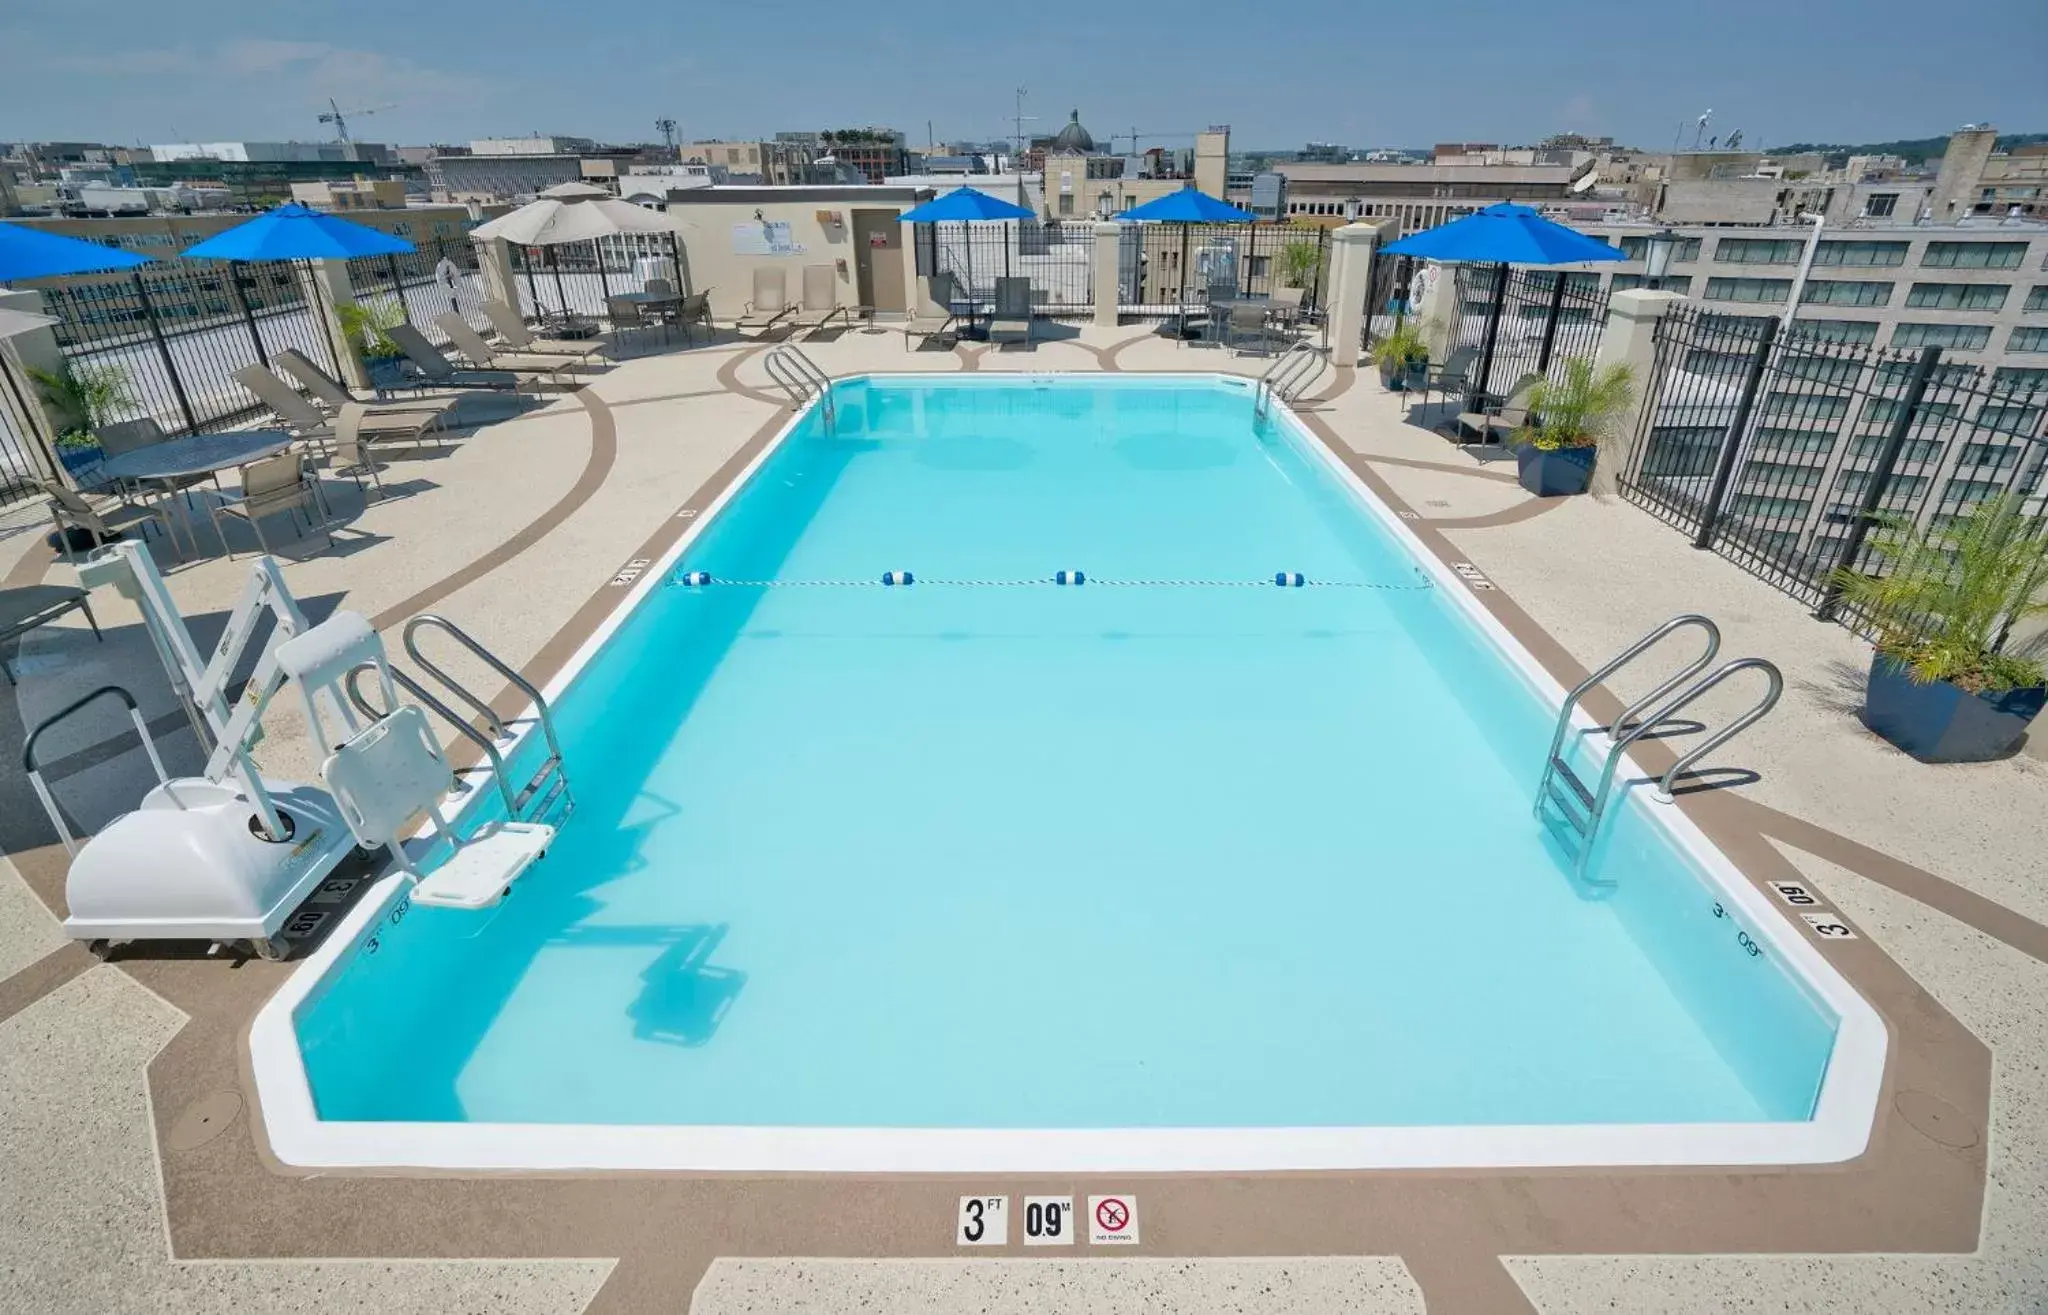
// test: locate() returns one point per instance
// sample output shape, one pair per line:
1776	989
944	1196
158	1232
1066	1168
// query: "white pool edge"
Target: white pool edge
1839	1130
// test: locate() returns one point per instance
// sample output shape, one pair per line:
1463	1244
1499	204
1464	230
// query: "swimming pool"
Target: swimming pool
1174	868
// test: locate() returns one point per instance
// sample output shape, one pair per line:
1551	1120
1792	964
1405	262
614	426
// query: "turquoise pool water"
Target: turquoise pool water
1001	855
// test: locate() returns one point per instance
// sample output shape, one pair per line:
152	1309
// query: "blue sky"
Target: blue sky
1280	73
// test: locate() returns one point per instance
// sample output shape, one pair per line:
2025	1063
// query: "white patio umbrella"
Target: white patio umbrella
14	322
576	212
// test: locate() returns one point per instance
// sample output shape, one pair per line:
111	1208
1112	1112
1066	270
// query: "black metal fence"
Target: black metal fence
1513	323
576	278
1778	447
22	462
1163	266
164	341
442	275
1058	258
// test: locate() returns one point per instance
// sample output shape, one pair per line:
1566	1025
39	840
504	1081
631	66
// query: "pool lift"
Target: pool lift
229	855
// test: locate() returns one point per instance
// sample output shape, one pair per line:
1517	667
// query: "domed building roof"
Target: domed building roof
1074	139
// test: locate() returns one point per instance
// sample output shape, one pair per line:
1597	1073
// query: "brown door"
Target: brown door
878	255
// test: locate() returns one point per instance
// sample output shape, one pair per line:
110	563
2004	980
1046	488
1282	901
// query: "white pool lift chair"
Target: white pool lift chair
385	776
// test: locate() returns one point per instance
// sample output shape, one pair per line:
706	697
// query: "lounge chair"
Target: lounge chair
310	423
470	345
770	302
1011	321
821	300
270	486
1489	426
438	370
328	394
934	319
352	454
30	606
515	333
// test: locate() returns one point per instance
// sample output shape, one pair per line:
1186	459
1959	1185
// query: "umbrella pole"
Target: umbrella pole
555	264
1485	384
604	285
532	288
1182	275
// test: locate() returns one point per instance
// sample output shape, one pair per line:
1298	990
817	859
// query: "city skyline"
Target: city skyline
126	73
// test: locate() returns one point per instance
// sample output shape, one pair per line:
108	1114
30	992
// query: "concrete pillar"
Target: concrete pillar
327	285
1109	239
1351	252
1630	339
494	260
31	414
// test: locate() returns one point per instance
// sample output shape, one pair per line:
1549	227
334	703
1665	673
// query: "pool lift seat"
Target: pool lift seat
387	775
1581	811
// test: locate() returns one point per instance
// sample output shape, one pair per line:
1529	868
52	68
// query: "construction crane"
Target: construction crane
667	128
339	117
1134	135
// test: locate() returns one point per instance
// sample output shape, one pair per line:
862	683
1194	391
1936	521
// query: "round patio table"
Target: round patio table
198	454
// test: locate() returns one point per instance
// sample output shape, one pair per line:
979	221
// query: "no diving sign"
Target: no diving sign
1113	1220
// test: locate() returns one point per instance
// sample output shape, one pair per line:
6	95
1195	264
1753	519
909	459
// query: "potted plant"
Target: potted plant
366	324
1402	356
87	396
1943	684
1570	416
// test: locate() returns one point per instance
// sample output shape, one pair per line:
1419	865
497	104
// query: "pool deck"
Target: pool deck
132	1166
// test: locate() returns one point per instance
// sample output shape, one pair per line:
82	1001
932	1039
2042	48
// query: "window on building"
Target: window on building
2028	338
1687	248
1066	203
1870	446
1748	289
1957	296
1754	504
2023	420
2020	380
1840	330
1786	442
1987	456
1880	205
1860	253
1780	476
1677	283
2037	300
1805	407
1900	489
1974	255
1846	292
1962	337
1758	251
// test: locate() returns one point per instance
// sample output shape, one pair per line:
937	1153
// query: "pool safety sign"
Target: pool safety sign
1113	1220
984	1221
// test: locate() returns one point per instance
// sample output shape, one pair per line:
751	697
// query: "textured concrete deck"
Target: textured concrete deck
133	1178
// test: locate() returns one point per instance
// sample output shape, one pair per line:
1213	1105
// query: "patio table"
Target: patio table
196	454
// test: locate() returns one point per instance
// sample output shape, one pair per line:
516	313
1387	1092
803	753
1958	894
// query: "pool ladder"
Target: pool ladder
548	788
799	376
1284	379
1563	792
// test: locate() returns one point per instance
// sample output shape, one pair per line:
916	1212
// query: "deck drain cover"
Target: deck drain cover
208	1118
1936	1119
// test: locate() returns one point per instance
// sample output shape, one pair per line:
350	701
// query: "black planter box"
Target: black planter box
1557	472
1942	723
1398	377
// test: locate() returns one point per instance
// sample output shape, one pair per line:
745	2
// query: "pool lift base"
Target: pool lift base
226	856
1564	795
391	772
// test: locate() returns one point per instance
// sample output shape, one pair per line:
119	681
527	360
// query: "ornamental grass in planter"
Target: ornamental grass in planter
1946	683
1570	416
1403	357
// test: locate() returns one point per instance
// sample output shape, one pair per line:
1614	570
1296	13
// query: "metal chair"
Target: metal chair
272	485
1246	321
628	315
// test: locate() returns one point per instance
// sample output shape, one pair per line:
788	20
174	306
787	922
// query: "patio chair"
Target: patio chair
1490	426
101	517
470	345
516	334
1450	376
1011	321
437	369
695	309
271	486
353	454
769	304
328	394
628	315
1245	322
934	319
32	606
1283	309
821	300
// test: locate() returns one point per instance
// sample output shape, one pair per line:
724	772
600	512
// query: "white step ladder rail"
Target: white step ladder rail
1286	376
799	376
550	782
33	770
1582	811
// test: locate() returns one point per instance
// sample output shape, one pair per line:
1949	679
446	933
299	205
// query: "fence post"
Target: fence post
1630	338
163	351
1109	239
236	269
1550	323
1880	479
1351	252
1484	388
1731	443
398	286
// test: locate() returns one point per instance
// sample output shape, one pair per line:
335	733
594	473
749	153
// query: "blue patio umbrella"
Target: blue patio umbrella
1187	206
293	232
965	205
1503	235
30	253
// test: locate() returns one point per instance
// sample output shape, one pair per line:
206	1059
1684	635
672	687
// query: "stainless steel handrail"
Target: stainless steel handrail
1620	660
1284	377
432	620
799	376
35	773
446	713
